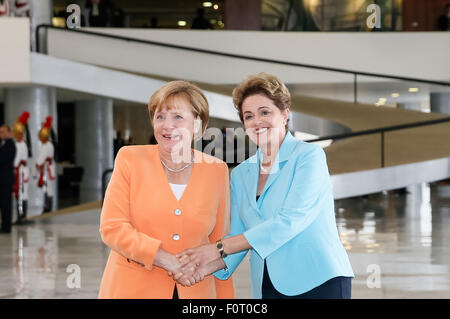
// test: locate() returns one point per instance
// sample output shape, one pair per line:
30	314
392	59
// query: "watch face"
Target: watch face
219	246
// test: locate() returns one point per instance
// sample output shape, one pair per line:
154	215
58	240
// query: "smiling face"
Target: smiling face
173	125
263	120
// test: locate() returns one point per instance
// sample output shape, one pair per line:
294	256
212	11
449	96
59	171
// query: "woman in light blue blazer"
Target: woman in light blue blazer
282	208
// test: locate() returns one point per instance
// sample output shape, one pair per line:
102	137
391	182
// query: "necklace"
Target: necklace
263	169
180	169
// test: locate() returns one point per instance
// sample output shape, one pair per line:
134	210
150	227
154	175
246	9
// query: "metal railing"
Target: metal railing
355	74
381	130
245	57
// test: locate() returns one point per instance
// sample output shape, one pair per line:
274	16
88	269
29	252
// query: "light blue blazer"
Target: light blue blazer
292	226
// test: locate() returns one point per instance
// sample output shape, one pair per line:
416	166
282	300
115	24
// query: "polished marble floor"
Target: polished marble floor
398	244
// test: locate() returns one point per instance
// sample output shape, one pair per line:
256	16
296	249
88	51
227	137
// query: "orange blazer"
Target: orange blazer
141	214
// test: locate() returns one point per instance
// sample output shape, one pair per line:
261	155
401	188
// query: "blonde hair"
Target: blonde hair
189	91
266	84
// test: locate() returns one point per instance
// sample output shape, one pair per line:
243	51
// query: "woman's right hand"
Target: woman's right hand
171	263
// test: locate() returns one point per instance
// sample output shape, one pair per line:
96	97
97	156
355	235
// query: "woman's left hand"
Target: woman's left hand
199	256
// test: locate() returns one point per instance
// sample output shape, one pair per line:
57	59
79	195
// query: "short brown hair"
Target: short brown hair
262	83
189	91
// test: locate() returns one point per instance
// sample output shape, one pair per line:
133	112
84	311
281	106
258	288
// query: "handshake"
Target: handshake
191	265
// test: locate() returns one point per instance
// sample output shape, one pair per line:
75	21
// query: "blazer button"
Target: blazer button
177	212
176	237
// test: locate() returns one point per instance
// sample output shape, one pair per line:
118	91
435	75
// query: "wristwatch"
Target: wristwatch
219	246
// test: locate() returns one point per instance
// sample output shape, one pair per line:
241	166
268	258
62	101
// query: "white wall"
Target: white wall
409	54
14	50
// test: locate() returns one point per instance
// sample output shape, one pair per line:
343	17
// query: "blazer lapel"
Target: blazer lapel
274	174
286	149
251	181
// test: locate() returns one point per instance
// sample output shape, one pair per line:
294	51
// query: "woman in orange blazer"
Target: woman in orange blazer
163	199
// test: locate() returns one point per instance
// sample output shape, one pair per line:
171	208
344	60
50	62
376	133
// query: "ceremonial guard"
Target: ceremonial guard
22	8
45	165
14	8
21	169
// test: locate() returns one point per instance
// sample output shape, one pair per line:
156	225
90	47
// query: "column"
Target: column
440	102
41	12
94	144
